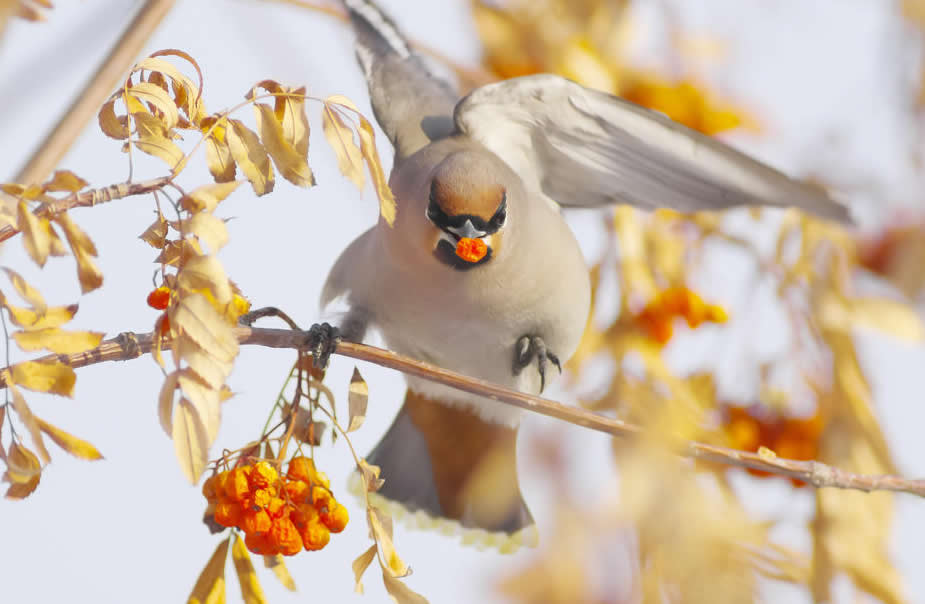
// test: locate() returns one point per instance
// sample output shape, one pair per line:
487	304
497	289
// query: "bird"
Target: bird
480	273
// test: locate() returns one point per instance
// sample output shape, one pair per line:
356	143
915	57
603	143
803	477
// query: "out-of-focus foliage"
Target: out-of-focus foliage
692	540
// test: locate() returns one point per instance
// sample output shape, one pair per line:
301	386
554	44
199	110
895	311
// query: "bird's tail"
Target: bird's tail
412	106
446	468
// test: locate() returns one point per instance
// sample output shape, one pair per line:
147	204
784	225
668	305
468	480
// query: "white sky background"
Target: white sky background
128	529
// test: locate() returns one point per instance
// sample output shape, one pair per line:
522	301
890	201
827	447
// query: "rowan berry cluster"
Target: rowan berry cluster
278	514
657	317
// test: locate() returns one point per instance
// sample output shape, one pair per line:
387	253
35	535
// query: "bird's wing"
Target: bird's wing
412	106
582	147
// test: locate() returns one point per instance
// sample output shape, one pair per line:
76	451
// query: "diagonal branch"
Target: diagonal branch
129	345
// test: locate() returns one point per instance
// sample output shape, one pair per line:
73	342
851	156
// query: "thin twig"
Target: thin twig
89	198
100	86
128	346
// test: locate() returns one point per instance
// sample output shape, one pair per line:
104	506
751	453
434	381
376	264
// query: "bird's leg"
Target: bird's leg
529	348
321	340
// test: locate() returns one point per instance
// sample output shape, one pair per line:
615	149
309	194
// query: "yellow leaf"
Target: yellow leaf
210	586
26	291
206	198
357	398
57	246
195	317
57	340
113	126
190	441
290	163
371	476
156	96
250	156
23	471
70	443
893	318
193	104
340	137
387	206
54	377
207	368
162	148
209	229
278	566
165	402
148	126
205	272
65	180
83	248
29	319
247	578
156	234
219	159
28	419
399	592
380	524
35	235
206	401
360	565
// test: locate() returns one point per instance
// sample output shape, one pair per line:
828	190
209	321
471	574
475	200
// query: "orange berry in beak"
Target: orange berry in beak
471	250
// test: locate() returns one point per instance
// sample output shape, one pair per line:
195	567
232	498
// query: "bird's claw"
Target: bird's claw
529	348
321	341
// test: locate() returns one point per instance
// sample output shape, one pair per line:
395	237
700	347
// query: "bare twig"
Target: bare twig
91	197
128	346
103	82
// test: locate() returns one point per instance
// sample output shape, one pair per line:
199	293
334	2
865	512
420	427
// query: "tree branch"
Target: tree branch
129	345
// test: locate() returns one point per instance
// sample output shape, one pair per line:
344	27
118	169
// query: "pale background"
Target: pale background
821	75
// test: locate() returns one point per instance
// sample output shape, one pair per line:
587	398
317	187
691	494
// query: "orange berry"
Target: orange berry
302	468
277	507
256	521
260	498
303	514
322	479
263	475
159	298
471	250
208	489
315	535
297	491
237	487
285	537
335	517
321	497
228	513
221	482
260	544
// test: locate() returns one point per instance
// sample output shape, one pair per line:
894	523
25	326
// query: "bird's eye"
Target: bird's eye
497	221
434	213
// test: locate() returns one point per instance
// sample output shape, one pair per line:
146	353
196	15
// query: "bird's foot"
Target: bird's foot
321	341
529	348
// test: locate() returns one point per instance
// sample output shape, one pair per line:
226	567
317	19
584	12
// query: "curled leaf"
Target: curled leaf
357	398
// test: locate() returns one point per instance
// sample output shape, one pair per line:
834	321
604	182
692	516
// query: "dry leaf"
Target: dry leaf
278	566
83	248
35	234
250	156
28	419
371	476
250	585
206	401
51	377
357	398
205	272
157	97
165	402
387	205
23	470
360	565
65	180
190	441
162	148
210	229
57	340
206	198
70	443
195	316
156	234
54	316
340	137
290	163
399	592
113	126
27	292
210	586
380	525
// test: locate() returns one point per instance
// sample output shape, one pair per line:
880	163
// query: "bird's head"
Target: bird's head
468	209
